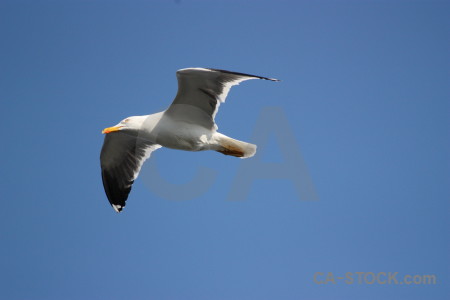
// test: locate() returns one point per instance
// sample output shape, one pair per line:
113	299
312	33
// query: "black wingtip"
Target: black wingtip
117	208
244	74
266	78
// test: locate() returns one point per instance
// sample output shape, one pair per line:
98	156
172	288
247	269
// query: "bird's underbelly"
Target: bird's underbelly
184	136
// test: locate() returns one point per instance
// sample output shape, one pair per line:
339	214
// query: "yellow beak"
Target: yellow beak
111	129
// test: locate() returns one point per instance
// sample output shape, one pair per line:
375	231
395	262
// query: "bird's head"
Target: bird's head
128	124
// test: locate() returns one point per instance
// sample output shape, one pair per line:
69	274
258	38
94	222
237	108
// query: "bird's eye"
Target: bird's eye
126	120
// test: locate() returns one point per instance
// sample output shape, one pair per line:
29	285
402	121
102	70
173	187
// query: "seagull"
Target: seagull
188	124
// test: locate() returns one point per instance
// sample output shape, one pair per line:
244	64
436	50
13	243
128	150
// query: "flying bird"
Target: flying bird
188	124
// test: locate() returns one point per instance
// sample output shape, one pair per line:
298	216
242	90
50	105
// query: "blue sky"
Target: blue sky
364	102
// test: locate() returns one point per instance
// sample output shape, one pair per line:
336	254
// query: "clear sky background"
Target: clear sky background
364	92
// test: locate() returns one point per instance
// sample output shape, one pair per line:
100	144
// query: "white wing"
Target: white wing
200	92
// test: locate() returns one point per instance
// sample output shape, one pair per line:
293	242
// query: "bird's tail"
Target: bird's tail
229	146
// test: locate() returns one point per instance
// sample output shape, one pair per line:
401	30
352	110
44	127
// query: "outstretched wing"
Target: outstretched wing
121	159
200	92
